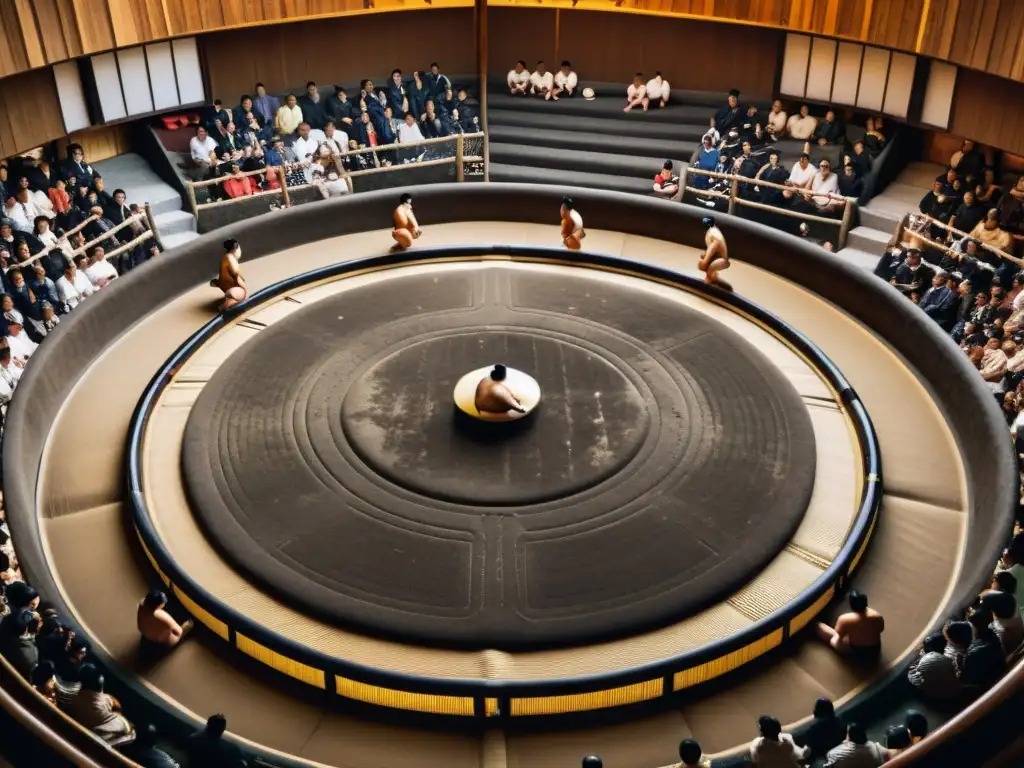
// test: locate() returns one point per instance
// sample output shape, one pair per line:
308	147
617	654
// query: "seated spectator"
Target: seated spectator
747	166
59	198
917	724
565	83
988	192
306	144
1004	581
145	752
658	90
541	81
217	116
266	106
229	143
156	625
946	178
897	740
801	176
774	173
933	673
984	662
1013	563
395	93
829	132
73	287
802	126
236	185
44	680
203	149
208	748
333	139
706	160
98	711
856	751
22	596
43	287
666	184
728	116
431	124
325	176
860	159
775	123
773	748
21	211
99	271
289	117
7	573
518	79
940	302
858	633
968	214
993	362
913	275
54	640
825	731
692	756
969	163
408	131
465	113
79	167
18	639
1007	622
850	184
21	346
69	672
436	82
823	184
989	233
636	93
312	106
750	128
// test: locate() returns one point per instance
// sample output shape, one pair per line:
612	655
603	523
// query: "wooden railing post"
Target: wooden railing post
192	198
844	229
734	192
284	186
682	182
152	226
459	172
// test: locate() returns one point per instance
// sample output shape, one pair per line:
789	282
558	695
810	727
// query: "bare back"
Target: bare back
401	218
716	247
494	397
861	629
156	626
229	272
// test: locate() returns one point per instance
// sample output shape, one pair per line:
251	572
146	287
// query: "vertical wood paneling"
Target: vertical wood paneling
503	50
94	25
990	110
29	111
102	143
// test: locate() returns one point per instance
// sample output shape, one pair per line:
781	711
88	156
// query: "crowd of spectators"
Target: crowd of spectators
319	138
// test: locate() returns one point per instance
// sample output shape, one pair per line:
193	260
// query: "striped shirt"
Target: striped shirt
934	675
850	755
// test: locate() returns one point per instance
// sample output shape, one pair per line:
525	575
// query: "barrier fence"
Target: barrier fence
449	158
735	200
919	225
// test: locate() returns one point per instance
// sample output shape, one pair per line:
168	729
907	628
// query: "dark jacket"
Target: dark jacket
984	662
832	132
313	113
418	98
396	96
436	84
940	305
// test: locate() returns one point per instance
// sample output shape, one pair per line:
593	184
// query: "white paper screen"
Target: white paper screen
108	87
794	65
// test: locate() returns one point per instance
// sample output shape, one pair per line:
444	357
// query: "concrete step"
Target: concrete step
920	175
864	259
877	218
179	238
677	113
174	222
528	175
140	183
593	142
578	160
530	122
868	240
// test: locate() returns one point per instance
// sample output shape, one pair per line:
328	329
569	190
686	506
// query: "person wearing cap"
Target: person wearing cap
801	125
541	81
565	82
728	116
716	255
666	184
73	287
518	79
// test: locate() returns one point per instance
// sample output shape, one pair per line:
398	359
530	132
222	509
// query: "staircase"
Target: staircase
141	184
878	219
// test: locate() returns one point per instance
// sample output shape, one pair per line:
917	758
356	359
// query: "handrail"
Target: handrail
990	248
780	623
55	246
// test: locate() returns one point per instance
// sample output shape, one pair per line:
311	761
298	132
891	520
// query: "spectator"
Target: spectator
933	673
237	185
823	184
10	374
897	740
21	211
636	93
306	144
1007	622
969	163
408	131
518	79
830	131
825	731
993	362
917	724
658	90
565	82
850	184
334	140
692	756
1013	563
217	116
43	287
968	214
203	150
435	82
984	662
98	711
728	116
913	274
857	633
73	287
774	173
99	271
541	81
117	209
947	178
145	752
856	751
21	346
802	126
801	176
465	113
69	672
208	748
666	185
79	167
773	748
44	680
940	302
18	639
431	124
988	192
989	233
289	116
1004	581
860	159
775	125
750	128
266	106
311	106
874	139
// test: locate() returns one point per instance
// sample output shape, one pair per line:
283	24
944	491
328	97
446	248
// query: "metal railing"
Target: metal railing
457	150
844	223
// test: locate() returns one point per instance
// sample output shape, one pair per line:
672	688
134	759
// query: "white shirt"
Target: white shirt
636	91
777	121
305	148
801	176
655	89
201	149
776	754
101	271
821	184
71	293
802	127
517	79
409	133
566	81
8	382
289	118
336	145
23	215
21	345
539	81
